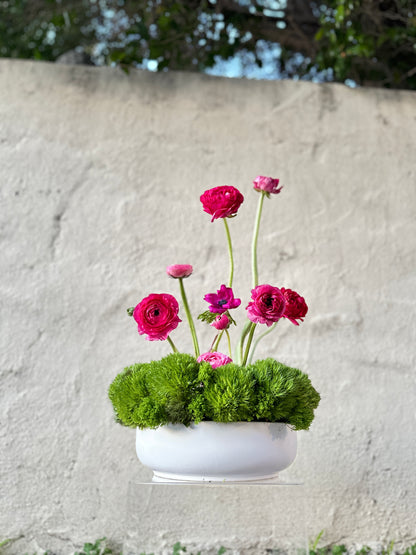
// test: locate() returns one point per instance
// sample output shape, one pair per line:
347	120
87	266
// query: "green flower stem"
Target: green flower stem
239	351
258	340
249	340
189	317
172	344
230	251
213	343
218	341
255	238
229	344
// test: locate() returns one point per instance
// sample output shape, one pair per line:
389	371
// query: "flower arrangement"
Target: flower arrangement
211	385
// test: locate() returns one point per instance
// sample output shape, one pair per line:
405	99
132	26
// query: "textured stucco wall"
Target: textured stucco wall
100	177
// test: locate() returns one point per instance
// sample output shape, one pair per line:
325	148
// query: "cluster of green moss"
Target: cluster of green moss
178	389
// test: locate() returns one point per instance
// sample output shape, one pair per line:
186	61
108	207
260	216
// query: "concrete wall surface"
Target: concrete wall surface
101	174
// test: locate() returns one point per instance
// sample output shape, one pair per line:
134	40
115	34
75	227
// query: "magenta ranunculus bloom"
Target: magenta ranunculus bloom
296	307
221	202
179	270
222	300
221	322
157	315
267	184
215	359
267	306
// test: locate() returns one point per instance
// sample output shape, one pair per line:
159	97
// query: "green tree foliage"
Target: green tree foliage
45	29
177	389
369	41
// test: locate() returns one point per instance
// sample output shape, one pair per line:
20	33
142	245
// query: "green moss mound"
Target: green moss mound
178	389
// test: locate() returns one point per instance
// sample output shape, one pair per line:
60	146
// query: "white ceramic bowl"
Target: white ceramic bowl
216	451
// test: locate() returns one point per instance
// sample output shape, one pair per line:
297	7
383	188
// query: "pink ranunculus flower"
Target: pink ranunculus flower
179	270
222	300
157	315
267	184
221	322
215	359
296	307
267	306
221	202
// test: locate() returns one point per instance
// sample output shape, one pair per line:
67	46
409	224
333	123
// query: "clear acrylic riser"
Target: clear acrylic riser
265	517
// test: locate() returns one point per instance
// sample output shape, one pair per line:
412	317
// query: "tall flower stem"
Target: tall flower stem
239	350
255	238
229	343
249	340
258	340
216	343
172	344
189	317
211	349
230	251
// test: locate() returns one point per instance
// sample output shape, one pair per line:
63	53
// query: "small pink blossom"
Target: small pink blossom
267	184
296	307
156	316
215	359
221	202
221	322
222	300
179	270
267	306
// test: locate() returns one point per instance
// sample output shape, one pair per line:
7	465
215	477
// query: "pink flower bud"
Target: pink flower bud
179	270
267	184
215	359
221	322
